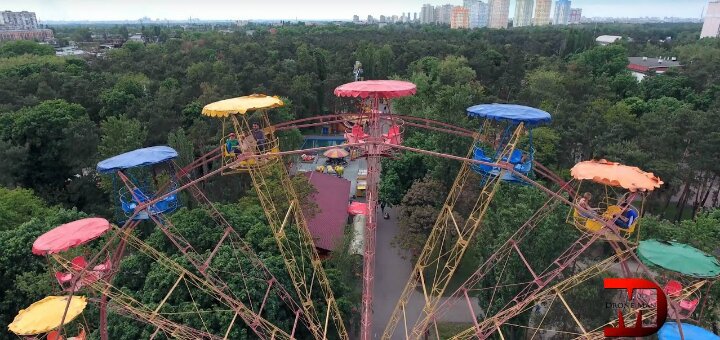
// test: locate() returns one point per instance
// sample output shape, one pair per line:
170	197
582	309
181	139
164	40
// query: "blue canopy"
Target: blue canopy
669	331
137	158
515	114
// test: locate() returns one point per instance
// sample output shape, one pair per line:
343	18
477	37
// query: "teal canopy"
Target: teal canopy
678	257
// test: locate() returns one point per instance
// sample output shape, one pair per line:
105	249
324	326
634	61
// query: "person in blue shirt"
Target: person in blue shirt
231	145
628	217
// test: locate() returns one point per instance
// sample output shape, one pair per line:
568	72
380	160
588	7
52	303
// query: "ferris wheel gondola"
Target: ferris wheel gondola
246	131
620	186
501	122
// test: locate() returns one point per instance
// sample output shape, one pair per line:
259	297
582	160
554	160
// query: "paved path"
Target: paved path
391	274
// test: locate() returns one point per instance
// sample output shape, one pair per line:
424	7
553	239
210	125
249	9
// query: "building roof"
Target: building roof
332	197
608	39
644	64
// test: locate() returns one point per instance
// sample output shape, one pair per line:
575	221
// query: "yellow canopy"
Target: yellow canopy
46	314
241	105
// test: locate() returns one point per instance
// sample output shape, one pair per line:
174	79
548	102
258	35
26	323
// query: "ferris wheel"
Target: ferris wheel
87	256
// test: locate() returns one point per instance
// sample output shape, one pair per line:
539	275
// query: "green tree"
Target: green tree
60	139
603	60
18	206
20	47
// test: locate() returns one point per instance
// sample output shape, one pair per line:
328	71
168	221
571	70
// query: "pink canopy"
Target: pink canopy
70	235
358	208
380	88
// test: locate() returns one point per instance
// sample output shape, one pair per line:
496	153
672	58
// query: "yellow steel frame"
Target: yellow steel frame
137	310
296	255
267	329
447	242
548	294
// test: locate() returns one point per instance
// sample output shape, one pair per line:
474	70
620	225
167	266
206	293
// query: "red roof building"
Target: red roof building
332	198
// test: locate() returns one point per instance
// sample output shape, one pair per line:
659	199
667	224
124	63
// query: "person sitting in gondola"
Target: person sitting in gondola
628	217
259	136
231	145
584	203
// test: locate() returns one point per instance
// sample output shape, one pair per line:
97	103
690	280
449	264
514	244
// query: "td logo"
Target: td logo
638	329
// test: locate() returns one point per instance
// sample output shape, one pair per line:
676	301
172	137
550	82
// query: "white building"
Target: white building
499	10
523	13
562	12
607	39
427	14
23	21
542	12
711	27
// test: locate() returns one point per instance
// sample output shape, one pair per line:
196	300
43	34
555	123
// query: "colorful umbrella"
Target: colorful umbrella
336	153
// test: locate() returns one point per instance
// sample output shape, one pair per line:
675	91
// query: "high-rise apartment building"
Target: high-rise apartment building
499	12
356	18
484	15
443	14
11	21
460	18
473	7
562	12
711	26
542	12
523	13
427	14
575	16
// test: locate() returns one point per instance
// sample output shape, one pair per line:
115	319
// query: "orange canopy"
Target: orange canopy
616	174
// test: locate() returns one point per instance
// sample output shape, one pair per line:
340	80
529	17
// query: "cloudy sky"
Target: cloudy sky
308	9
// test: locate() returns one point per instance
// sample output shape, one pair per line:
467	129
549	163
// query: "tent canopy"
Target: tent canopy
616	174
515	114
678	257
137	158
669	331
46	315
241	105
358	208
70	235
376	88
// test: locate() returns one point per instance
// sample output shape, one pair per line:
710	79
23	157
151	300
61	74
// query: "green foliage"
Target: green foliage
120	134
20	47
180	141
419	209
60	140
18	206
603	60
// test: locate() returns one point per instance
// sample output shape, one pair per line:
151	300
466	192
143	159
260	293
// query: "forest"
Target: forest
60	115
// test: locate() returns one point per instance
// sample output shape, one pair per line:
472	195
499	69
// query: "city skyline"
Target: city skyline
81	10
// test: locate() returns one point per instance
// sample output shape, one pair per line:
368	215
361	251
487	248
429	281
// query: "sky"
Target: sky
94	10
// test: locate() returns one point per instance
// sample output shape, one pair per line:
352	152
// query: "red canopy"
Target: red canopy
70	235
380	88
358	208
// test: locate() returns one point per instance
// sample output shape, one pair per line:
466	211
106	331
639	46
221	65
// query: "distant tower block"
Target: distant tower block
711	27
